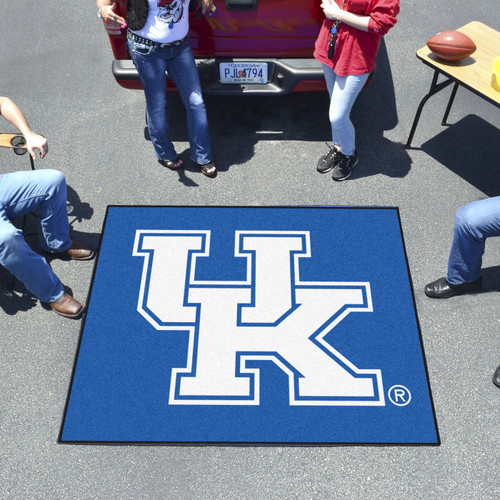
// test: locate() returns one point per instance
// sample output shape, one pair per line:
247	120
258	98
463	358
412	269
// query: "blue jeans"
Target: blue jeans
151	63
343	92
474	223
20	193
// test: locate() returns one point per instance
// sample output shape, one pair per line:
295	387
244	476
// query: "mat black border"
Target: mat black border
249	444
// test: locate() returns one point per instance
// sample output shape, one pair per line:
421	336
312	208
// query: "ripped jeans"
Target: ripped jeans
151	63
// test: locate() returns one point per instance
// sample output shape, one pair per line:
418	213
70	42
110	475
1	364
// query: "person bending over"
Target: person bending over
23	192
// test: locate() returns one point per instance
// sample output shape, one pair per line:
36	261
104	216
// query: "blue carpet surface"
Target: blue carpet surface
227	325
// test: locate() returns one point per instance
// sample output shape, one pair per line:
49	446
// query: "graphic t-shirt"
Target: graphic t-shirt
168	21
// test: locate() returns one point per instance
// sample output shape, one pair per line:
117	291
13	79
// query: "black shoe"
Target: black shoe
441	289
344	167
496	377
328	161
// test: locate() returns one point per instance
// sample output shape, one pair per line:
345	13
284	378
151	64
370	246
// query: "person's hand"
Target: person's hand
331	10
110	17
206	5
36	141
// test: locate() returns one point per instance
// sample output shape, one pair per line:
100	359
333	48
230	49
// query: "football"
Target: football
451	45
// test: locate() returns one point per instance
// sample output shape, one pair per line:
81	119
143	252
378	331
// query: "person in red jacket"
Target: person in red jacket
347	47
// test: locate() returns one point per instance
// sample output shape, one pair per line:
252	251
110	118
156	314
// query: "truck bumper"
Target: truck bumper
285	76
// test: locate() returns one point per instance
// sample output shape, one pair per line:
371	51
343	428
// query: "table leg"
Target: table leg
435	88
450	104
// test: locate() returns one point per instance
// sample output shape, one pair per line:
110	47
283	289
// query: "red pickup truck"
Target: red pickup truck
246	47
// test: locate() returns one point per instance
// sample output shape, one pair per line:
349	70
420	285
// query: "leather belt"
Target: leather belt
147	41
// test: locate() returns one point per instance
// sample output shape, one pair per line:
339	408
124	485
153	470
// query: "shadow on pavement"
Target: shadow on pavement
299	117
471	149
375	112
16	299
491	278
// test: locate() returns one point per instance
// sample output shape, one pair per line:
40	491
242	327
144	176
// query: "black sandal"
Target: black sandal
172	165
209	169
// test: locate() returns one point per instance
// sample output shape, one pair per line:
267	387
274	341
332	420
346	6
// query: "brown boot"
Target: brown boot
67	306
79	251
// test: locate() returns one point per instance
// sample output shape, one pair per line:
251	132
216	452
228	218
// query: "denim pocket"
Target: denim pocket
141	49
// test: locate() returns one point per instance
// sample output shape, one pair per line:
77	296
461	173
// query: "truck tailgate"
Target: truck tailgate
258	28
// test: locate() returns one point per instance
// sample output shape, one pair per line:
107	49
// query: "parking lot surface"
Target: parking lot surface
56	65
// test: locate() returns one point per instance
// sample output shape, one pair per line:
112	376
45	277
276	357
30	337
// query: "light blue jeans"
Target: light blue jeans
151	63
21	193
474	223
343	92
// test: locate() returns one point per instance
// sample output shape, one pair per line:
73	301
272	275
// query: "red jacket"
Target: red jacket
356	50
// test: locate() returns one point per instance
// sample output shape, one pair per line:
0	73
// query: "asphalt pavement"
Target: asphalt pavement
56	65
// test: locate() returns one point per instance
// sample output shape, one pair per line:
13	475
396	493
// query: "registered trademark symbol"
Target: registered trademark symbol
399	395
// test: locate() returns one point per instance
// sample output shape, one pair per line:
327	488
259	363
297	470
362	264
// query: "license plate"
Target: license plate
243	72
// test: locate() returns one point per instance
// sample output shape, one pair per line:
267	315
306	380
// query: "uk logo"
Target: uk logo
272	315
262	325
